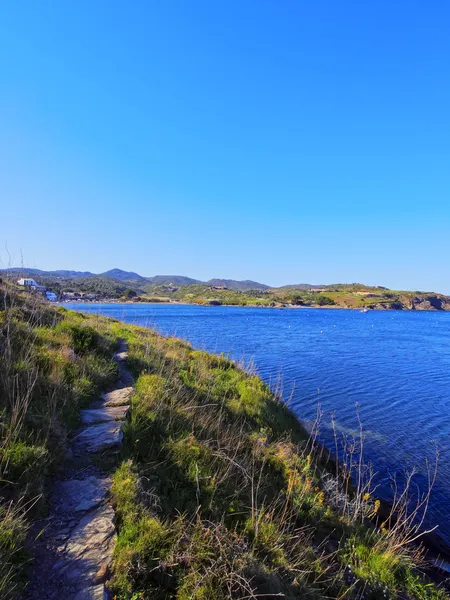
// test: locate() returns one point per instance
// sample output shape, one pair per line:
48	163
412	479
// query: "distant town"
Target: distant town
31	285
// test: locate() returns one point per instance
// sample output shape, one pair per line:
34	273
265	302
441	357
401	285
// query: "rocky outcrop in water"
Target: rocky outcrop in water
430	302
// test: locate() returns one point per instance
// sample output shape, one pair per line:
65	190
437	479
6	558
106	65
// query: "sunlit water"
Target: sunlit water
395	365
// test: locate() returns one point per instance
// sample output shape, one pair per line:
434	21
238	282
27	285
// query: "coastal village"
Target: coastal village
28	284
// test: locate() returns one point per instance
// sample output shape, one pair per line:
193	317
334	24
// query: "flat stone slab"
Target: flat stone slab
89	538
100	437
120	397
76	495
103	415
93	592
121	356
88	552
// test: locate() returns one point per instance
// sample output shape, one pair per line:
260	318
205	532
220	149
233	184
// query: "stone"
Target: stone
90	547
83	494
103	415
101	437
121	356
120	397
94	592
102	573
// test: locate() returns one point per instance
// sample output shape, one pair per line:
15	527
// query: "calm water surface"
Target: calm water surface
395	364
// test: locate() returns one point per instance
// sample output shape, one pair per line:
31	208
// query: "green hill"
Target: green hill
127	285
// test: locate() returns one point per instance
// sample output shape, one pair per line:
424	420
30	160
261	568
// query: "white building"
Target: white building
27	282
31	284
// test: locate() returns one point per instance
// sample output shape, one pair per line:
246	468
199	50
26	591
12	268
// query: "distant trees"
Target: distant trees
306	298
128	294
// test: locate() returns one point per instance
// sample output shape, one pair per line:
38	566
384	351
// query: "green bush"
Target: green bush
19	458
83	337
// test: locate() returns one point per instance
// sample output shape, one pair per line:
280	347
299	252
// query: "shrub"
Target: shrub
18	458
83	337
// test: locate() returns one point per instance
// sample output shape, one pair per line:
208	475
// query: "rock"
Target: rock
82	495
120	397
92	531
95	592
103	415
100	437
102	573
90	547
121	356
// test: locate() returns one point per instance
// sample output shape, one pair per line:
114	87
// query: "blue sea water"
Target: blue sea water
395	365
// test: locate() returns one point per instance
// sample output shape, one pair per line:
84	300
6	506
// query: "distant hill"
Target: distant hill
122	275
127	285
30	272
175	279
132	276
300	286
241	286
70	274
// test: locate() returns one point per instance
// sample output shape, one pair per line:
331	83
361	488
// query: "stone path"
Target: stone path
75	550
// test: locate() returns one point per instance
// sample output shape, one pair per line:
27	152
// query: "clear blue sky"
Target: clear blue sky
282	141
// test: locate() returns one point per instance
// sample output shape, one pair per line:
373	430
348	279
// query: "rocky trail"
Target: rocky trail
74	551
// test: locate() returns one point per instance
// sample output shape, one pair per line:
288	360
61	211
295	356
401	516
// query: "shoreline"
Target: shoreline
280	307
437	549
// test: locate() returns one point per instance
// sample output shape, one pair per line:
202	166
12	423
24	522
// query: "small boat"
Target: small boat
364	310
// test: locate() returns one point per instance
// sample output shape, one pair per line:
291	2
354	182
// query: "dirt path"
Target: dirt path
74	552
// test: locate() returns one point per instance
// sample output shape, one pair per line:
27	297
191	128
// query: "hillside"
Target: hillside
359	296
29	272
172	279
127	285
241	286
353	297
218	492
122	275
65	278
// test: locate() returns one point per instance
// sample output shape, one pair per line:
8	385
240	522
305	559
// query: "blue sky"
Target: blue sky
280	141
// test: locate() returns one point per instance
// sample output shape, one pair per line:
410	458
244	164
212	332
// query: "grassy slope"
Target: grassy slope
220	493
52	363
